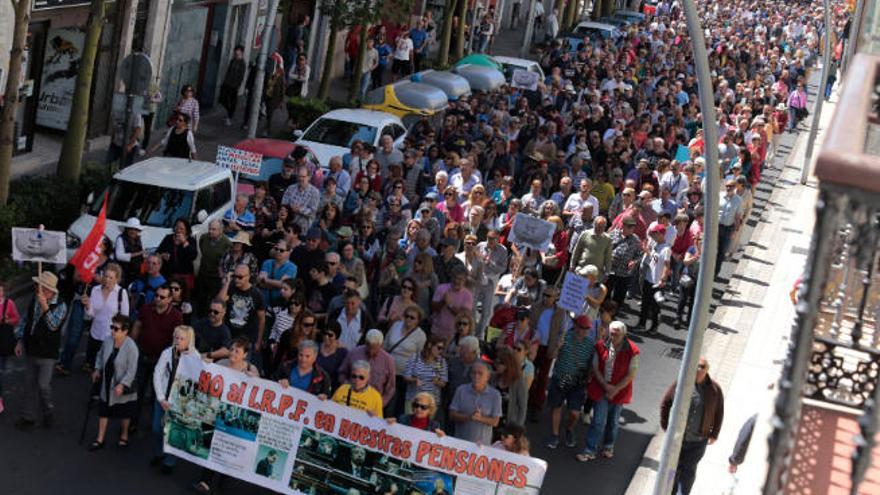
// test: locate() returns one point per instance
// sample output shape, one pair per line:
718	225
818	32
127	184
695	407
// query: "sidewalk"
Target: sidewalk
746	359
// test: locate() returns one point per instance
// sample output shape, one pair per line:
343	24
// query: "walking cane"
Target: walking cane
90	404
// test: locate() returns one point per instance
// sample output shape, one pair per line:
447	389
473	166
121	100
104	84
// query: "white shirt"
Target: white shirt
102	311
351	330
658	256
576	203
403	49
403	351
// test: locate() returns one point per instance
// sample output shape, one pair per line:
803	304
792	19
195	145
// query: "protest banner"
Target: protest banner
291	442
524	79
236	160
682	154
574	293
38	245
531	232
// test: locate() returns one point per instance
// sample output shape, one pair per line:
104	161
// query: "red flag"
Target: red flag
89	253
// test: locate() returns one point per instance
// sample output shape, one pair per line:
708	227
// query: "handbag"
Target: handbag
7	333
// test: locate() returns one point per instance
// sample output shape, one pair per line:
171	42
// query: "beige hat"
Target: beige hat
47	280
243	238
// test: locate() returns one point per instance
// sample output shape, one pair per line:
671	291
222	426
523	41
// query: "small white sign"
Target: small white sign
38	245
574	293
236	160
524	79
531	232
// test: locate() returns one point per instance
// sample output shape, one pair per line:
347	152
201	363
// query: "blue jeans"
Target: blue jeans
365	85
159	436
75	324
604	426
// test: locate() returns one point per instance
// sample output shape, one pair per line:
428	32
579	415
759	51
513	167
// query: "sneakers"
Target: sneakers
570	440
608	453
552	442
585	456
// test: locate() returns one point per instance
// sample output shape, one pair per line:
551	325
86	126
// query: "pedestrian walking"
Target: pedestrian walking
188	105
570	376
9	319
235	73
655	267
704	418
115	369
179	140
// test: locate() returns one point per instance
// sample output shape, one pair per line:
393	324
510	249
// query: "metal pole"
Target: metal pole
474	14
820	95
261	69
855	28
129	103
530	26
700	313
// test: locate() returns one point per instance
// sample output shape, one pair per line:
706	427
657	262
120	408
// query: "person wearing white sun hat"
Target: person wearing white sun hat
128	248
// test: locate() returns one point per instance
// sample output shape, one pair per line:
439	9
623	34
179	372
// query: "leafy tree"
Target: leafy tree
22	9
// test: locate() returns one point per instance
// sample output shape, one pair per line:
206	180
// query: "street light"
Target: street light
700	313
820	95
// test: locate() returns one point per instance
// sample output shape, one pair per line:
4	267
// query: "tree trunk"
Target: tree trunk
570	15
355	89
597	10
462	25
75	138
7	120
446	33
560	11
607	8
327	73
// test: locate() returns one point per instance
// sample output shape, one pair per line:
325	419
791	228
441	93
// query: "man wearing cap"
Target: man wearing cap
656	270
382	370
549	322
593	247
570	376
730	217
40	340
494	257
302	198
280	181
614	368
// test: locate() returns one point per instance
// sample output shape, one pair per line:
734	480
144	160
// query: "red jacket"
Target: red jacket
621	369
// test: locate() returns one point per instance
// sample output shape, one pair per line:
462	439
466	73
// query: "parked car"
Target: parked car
632	15
597	31
274	152
158	191
511	64
332	133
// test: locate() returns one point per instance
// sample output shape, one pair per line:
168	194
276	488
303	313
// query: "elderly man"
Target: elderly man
422	245
387	155
704	419
382	370
494	259
342	177
626	250
730	218
212	247
302	198
353	319
274	271
593	247
576	201
304	373
239	218
548	321
476	407
337	278
40	341
358	393
614	369
465	179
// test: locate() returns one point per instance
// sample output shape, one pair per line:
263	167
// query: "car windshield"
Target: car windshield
339	133
154	206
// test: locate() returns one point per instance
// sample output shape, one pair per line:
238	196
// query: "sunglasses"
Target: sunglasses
423	407
407	287
411	317
308	324
329	335
448	195
280	250
358	377
117	328
240	277
216	312
462	324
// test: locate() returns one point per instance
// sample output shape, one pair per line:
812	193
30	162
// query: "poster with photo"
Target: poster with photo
291	442
60	68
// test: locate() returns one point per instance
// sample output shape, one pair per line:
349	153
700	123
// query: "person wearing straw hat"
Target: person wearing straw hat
129	250
238	254
40	341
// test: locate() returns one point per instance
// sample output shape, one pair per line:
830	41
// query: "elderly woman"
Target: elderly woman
423	406
103	303
184	344
115	369
596	292
556	256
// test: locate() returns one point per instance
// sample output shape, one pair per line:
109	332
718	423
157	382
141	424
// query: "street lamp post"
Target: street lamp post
700	313
530	26
820	95
253	118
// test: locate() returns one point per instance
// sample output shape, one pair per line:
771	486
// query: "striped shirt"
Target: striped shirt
574	356
425	372
190	107
306	200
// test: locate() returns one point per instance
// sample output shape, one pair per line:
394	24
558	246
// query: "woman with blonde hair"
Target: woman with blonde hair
476	197
105	301
184	344
424	407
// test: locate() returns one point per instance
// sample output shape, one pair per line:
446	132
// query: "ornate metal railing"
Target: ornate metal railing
834	358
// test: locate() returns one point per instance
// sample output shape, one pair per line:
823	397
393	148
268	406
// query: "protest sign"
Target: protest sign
682	154
236	160
291	442
574	293
524	79
38	245
531	232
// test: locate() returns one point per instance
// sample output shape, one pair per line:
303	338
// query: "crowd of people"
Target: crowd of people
397	287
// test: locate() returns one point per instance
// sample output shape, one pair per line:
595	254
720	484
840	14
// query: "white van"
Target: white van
158	191
511	64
